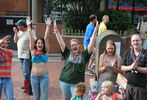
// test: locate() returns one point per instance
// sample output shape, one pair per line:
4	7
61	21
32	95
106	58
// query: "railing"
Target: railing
81	33
73	32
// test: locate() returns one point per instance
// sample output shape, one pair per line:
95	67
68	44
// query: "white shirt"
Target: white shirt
23	44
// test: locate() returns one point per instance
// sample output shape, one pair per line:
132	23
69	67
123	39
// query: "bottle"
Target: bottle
89	95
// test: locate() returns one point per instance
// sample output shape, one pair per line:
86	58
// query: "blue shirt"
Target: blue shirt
88	34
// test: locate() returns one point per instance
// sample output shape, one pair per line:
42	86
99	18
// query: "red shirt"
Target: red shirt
114	96
5	65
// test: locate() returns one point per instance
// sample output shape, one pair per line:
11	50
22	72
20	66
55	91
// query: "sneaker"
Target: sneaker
88	74
93	66
90	70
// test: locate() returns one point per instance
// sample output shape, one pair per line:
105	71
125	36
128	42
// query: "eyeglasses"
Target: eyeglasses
73	45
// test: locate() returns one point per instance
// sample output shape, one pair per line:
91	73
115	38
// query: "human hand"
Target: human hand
48	21
133	65
15	30
5	39
28	21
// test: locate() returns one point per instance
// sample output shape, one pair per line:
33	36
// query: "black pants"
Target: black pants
136	93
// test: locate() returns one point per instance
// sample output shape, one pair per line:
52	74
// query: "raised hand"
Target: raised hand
133	66
48	21
15	30
5	39
28	21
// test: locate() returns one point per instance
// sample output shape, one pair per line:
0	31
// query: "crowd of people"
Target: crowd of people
34	51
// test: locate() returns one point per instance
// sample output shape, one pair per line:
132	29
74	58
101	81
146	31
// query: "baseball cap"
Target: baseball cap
20	22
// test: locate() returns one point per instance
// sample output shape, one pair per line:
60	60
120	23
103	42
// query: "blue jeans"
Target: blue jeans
116	87
7	86
67	89
39	85
25	66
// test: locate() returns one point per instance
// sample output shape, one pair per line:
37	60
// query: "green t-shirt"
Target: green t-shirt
74	70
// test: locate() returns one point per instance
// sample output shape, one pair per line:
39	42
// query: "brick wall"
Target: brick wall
14	5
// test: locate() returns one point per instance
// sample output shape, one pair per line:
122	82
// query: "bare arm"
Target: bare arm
117	68
59	37
142	70
102	66
15	34
46	36
28	21
125	68
92	39
5	39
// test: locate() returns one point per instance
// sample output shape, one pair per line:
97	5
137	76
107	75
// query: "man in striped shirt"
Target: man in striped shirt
6	56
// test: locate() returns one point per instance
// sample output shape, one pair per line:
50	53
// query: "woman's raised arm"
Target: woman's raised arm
46	36
59	37
93	38
28	21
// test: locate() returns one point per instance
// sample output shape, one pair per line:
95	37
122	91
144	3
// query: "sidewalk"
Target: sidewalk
55	66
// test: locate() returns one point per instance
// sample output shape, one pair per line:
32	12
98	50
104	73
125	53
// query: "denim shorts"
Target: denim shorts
67	89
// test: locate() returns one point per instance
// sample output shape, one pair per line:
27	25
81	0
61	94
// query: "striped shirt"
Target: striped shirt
5	65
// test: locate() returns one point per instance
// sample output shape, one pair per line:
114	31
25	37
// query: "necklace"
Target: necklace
37	53
77	59
137	57
2	58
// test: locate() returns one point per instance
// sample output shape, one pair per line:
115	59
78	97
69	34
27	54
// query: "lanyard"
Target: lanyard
137	57
75	98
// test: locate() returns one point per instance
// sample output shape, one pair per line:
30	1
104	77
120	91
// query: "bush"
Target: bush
119	21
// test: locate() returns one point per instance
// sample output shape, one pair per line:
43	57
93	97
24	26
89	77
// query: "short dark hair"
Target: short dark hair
44	49
81	87
92	17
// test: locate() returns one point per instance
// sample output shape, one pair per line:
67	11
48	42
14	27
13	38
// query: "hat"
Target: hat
20	22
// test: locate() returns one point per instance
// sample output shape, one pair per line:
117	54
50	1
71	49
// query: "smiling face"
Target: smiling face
39	45
75	47
110	49
136	41
106	91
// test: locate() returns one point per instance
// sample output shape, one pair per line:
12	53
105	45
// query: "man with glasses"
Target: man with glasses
135	65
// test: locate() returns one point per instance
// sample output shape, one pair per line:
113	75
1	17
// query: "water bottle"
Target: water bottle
89	95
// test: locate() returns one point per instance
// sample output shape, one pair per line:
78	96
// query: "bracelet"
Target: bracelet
136	67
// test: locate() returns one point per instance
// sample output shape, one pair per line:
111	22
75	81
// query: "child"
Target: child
80	89
107	92
6	56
